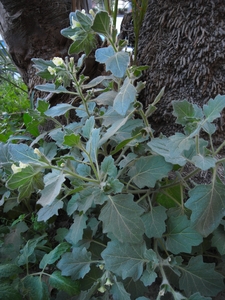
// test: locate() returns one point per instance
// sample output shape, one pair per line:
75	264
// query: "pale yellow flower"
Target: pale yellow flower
58	61
17	169
51	70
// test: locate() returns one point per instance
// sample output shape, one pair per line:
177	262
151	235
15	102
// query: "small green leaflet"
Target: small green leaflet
213	109
121	216
125	260
84	20
92	145
75	233
147	170
200	277
53	183
125	97
23	178
65	284
207	205
75	264
154	222
54	255
71	140
108	166
186	112
204	162
180	235
88	127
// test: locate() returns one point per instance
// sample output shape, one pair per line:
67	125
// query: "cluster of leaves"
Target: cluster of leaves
132	211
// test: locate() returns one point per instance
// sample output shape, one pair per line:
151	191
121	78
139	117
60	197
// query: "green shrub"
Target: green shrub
13	103
108	208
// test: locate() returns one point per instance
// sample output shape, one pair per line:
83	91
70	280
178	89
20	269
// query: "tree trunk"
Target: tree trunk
31	29
183	44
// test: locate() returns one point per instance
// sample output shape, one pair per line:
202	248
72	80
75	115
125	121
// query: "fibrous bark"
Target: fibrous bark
183	43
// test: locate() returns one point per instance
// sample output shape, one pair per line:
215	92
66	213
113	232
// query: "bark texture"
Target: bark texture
31	29
183	43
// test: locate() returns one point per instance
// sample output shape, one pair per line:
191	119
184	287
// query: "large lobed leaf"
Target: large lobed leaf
207	204
201	277
121	216
147	170
127	260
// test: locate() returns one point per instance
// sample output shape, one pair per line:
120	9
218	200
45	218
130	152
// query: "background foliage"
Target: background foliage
100	208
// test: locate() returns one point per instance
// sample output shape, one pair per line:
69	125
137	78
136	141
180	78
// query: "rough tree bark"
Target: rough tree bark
31	29
183	43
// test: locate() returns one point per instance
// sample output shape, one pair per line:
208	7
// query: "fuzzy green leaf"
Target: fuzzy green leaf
8	292
84	20
204	162
53	183
23	178
25	154
186	112
28	250
125	260
121	216
58	110
154	222
35	288
8	270
147	170
117	64
200	277
180	235
54	255
207	204
108	166
46	212
113	129
84	42
218	240
118	291
101	23
125	97
92	145
65	284
197	296
51	88
76	230
71	140
214	107
163	147
75	264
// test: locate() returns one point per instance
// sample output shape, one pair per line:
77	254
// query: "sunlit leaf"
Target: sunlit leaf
58	110
214	107
46	212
